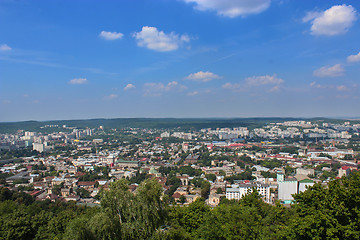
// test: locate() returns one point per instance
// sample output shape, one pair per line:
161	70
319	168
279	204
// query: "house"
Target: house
57	181
214	199
36	193
39	185
65	192
176	196
181	190
72	198
184	180
53	197
89	186
191	159
344	171
127	164
191	198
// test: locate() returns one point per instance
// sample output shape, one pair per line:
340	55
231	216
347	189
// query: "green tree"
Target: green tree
205	189
211	177
190	217
135	216
249	218
219	191
327	212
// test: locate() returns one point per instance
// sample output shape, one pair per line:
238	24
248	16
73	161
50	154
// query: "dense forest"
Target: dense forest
321	212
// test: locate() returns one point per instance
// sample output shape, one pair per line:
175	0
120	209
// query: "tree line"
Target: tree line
321	212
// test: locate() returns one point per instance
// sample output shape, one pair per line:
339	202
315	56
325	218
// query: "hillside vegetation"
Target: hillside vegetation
321	212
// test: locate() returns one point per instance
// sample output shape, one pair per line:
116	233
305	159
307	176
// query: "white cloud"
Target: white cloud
237	87
342	88
330	71
156	89
111	35
152	38
78	81
193	93
354	58
232	8
316	85
274	89
5	47
111	97
5	102
263	80
203	76
311	16
129	86
333	21
256	83
339	88
228	86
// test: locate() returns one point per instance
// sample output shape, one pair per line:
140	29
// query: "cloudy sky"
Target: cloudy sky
179	58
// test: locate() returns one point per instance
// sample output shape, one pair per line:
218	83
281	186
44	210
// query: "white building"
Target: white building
39	147
344	171
303	171
304	184
286	187
237	191
165	135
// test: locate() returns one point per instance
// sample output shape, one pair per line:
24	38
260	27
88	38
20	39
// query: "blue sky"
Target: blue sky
179	58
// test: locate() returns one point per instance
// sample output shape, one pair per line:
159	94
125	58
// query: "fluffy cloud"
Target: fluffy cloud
129	86
203	76
193	93
274	89
263	80
354	58
235	87
231	8
228	86
333	21
156	89
111	97
111	35
342	88
339	88
256	83
5	47
330	71
78	81
316	85
152	38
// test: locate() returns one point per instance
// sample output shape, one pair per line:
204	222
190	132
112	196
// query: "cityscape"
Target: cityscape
186	119
63	163
278	159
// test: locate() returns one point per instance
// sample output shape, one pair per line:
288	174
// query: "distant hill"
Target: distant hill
159	123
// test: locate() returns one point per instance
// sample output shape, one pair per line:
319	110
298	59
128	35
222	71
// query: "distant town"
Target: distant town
278	159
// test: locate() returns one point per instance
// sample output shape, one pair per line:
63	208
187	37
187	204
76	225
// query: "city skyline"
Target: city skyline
182	59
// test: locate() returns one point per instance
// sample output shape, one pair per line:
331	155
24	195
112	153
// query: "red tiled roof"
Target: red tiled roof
176	195
86	183
80	174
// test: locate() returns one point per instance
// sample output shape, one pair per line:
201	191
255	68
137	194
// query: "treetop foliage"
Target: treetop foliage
321	212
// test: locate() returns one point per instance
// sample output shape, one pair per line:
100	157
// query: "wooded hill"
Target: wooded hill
154	123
